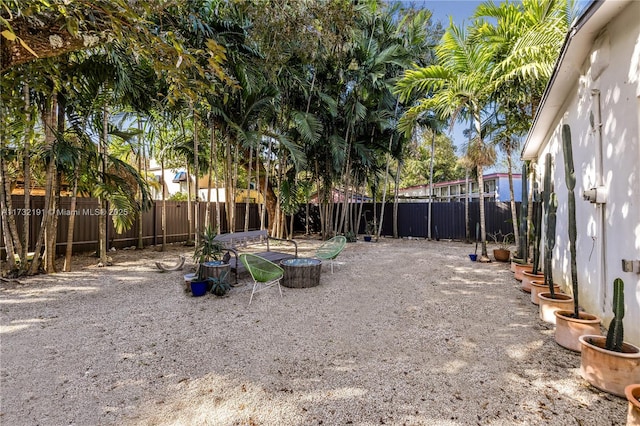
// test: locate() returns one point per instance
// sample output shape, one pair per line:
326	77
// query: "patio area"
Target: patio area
404	332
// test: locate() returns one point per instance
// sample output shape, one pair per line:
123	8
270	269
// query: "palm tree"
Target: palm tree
459	82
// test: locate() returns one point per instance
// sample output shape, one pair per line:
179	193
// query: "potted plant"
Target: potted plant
553	300
570	325
219	285
609	363
502	253
209	255
533	273
632	392
206	256
368	230
520	259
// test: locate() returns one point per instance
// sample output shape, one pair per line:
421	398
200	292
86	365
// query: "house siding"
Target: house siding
608	232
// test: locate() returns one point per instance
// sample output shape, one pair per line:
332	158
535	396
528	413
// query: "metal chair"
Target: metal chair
331	248
264	273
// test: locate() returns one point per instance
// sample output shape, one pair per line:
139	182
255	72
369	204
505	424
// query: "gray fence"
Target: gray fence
447	221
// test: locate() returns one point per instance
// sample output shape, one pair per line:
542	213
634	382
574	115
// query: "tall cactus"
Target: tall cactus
570	181
550	242
615	335
523	246
537	228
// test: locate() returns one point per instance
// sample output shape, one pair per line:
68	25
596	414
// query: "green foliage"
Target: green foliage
207	249
178	196
417	160
615	334
220	285
350	236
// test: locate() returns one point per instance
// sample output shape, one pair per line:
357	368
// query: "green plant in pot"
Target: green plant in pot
207	257
503	241
523	245
571	325
219	285
532	273
368	230
609	363
551	301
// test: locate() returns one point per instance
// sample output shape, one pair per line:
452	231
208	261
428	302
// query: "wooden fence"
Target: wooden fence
447	221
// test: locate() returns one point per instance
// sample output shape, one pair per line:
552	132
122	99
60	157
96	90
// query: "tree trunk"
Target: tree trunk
196	172
72	222
26	171
163	215
483	235
512	200
246	211
48	120
6	214
433	151
395	199
140	158
190	241
102	224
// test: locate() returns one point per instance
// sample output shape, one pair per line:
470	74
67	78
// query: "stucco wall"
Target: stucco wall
609	232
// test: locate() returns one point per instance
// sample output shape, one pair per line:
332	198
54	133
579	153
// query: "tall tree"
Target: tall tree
459	82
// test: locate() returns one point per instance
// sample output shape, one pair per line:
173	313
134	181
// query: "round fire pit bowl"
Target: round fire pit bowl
301	272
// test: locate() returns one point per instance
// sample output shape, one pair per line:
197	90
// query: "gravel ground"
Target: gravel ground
404	332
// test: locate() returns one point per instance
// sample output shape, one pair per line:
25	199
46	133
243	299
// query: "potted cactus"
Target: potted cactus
609	363
519	262
552	300
533	273
571	325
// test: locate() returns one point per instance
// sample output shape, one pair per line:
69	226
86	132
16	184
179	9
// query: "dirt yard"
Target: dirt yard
404	332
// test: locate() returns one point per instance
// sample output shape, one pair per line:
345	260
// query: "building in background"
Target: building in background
496	188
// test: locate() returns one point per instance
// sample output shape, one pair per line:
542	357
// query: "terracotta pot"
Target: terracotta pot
515	261
548	305
632	392
569	329
501	255
519	269
607	370
527	277
538	287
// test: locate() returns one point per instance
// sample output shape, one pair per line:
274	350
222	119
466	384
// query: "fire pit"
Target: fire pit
301	272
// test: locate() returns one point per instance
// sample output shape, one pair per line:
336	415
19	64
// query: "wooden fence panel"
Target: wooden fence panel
447	221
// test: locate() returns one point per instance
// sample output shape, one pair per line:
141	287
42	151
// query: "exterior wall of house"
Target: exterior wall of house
606	155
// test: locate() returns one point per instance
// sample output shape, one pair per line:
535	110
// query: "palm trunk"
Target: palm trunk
512	200
433	150
207	213
140	215
102	224
163	214
7	214
190	241
246	210
72	222
196	172
48	119
395	199
483	235
26	170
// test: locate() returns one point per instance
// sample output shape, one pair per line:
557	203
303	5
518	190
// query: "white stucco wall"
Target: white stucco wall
609	232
